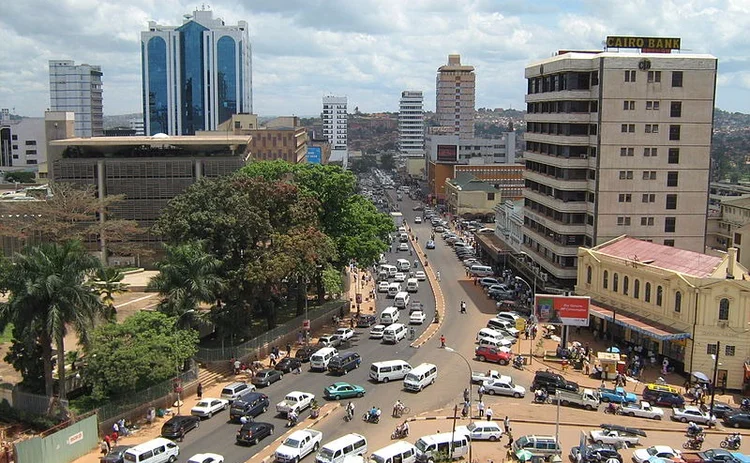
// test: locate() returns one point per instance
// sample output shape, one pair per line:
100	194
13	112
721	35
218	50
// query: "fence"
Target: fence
30	403
63	446
317	317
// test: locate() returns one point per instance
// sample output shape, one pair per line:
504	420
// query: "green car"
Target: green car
338	391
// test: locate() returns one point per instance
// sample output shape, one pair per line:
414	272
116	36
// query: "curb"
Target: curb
436	290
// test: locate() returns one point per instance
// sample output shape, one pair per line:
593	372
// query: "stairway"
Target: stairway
214	372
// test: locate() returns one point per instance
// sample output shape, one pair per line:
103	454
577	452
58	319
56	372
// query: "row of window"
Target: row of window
670	223
674	130
672	176
723	303
675	107
655	77
671	199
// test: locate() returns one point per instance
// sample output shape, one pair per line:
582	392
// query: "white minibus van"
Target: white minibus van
403	265
446	443
397	452
157	450
412	285
401	300
389	315
420	377
338	449
319	360
389	370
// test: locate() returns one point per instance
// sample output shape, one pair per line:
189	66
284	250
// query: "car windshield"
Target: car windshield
376	459
652	451
327	454
421	445
203	403
471	426
412	377
291	442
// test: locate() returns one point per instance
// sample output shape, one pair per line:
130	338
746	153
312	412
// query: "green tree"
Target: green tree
332	281
25	356
49	290
387	161
20	177
145	349
188	276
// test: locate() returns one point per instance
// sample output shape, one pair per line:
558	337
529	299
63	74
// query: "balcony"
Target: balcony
559	227
585	118
549	243
587	94
576	140
558	161
563	273
556	183
556	204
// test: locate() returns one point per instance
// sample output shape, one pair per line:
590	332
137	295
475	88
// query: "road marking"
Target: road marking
439	299
136	300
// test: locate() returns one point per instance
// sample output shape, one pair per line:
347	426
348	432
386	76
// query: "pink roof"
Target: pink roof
658	255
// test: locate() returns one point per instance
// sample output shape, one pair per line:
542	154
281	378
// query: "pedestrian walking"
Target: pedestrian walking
509	445
442	340
114	437
438	275
481	391
466	394
298	368
199	391
463	307
288	350
272	359
488	413
506	424
480	407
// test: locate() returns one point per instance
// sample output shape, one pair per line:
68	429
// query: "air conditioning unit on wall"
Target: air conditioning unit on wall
722	323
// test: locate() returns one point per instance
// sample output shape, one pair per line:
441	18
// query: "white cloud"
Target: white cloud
369	50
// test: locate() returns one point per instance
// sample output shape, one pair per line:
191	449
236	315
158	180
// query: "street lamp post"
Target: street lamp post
713	388
468	367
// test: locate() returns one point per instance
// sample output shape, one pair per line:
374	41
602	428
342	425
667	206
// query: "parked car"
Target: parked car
366	321
265	378
551	382
642	410
657	451
288	364
737	420
252	432
663	398
179	425
304	353
344	334
617	435
341	390
115	455
595	453
504	386
721	409
488	281
482	430
492	354
692	413
617	395
430	245
206	458
206	408
329	340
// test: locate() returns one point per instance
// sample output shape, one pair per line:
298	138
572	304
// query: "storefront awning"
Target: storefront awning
492	244
648	328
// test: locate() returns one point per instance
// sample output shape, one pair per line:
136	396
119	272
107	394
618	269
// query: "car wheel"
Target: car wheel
600	442
270	432
493	438
315	447
605	400
385	380
198	424
657	417
255	441
736	425
172	459
516	395
337	397
503	362
226	405
632	414
491	392
683	420
481	358
361	394
210	414
281	375
296	460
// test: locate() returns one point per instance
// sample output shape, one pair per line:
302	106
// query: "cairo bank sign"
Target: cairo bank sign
647	43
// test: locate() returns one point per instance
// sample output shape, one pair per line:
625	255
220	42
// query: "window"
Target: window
659	295
677	301
654	76
674	132
652	128
615	281
671	201
647	293
673	156
669	243
711	349
648	198
588	275
623	221
629	76
490	196
669	224
647	221
30	142
30	151
624	128
625	282
626	175
14	137
652	105
637	288
724	309
624	197
650	152
631	128
15	147
675	109
627	151
676	78
649	175
628	105
729	351
605	280
737	239
672	178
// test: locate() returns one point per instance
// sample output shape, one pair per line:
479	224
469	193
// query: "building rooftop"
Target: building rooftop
739	201
160	139
465	181
588	55
658	255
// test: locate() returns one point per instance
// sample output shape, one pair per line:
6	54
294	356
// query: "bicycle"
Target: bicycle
398	413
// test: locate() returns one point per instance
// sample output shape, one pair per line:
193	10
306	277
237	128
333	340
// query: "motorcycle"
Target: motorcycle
693	431
611	408
730	443
370	418
518	362
293	418
541	399
399	433
694	444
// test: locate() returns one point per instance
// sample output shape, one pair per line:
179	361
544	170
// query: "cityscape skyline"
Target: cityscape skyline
369	51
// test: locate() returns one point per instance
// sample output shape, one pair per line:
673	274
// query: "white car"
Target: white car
692	413
504	386
399	277
610	436
208	406
658	451
420	275
206	458
482	430
383	287
403	247
344	334
418	219
417	317
376	332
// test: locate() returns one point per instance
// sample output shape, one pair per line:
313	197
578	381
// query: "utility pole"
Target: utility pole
713	384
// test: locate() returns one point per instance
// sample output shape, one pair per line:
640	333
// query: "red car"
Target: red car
490	354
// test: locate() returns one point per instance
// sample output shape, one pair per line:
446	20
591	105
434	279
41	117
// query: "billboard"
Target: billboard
314	155
551	309
447	153
651	43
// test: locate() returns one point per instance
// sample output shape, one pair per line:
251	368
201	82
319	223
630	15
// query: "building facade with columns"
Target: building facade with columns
678	304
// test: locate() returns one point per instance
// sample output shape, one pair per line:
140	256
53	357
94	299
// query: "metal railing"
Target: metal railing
36	404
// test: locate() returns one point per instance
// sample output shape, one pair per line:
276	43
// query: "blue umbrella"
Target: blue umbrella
614	350
700	376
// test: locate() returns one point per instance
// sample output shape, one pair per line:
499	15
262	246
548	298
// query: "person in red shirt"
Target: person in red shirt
442	340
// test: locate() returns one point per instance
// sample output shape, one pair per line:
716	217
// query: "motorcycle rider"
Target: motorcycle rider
518	361
735	440
540	395
693	429
292	418
745	404
403	429
398	408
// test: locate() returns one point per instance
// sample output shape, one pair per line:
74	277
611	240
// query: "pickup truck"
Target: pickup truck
642	410
586	398
298	445
617	395
296	401
710	456
480	377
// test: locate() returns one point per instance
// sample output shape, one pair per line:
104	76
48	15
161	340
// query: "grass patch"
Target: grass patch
7	335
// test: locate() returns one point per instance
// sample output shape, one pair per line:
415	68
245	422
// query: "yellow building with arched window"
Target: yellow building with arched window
679	304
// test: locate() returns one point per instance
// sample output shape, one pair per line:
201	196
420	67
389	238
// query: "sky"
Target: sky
367	50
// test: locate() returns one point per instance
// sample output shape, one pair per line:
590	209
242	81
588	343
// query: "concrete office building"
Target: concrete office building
335	123
78	88
195	76
23	145
411	124
616	143
455	90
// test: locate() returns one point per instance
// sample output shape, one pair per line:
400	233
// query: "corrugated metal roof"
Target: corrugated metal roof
666	257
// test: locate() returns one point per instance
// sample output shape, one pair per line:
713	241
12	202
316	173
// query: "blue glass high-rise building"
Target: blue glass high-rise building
195	76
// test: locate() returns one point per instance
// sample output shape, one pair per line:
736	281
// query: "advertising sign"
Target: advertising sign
551	309
314	155
447	153
651	43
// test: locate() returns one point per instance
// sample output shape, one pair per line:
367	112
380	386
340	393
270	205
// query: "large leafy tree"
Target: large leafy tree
145	349
49	291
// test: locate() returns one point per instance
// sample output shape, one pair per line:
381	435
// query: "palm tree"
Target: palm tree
188	276
108	281
49	290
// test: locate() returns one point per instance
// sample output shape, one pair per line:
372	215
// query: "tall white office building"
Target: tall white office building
335	123
411	124
195	76
78	88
